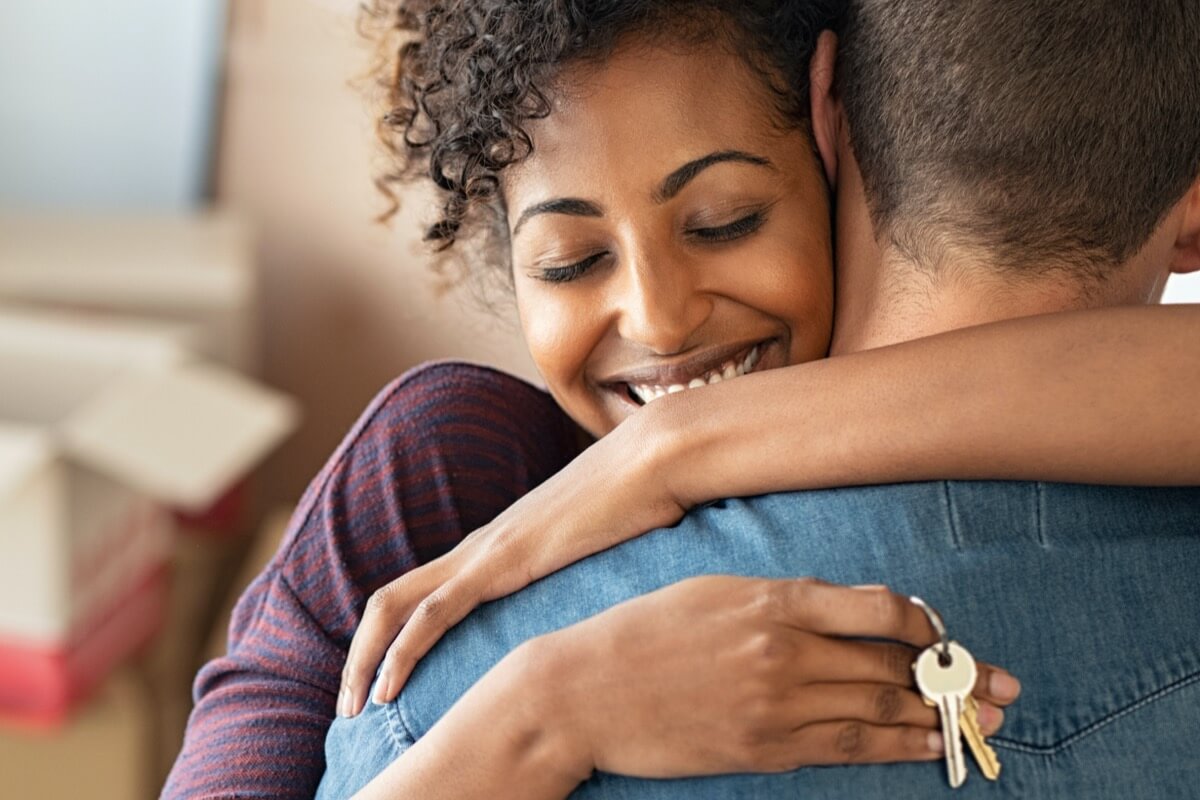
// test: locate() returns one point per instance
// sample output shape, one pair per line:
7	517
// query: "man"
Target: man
993	160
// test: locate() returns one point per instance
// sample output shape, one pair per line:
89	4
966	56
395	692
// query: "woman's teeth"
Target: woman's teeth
727	371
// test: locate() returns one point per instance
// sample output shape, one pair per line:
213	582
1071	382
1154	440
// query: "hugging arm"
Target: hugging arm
1104	396
640	688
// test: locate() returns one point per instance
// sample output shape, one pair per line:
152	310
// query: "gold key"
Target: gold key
985	756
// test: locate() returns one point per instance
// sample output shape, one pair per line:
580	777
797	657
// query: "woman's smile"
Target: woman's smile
646	384
668	232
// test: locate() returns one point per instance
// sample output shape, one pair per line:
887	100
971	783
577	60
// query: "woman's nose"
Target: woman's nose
660	304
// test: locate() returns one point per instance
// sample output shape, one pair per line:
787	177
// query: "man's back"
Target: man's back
1087	594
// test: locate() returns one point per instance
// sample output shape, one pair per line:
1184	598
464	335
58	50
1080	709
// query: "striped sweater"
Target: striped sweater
438	453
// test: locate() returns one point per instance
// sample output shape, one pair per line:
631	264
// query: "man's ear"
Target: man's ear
826	112
1186	257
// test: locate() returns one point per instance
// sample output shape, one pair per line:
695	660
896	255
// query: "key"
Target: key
985	756
946	679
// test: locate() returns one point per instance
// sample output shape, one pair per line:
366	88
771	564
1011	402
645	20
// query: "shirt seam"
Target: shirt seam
1068	741
399	727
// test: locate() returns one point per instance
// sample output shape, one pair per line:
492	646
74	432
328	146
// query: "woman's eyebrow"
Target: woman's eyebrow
561	205
673	184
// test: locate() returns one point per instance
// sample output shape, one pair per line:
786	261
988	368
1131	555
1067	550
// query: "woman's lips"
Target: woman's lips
741	363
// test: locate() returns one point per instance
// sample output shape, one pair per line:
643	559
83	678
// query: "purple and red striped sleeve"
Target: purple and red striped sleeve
439	452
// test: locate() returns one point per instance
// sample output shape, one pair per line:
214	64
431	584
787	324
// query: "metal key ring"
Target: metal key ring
935	619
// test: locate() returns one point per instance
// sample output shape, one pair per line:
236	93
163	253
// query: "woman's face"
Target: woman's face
666	233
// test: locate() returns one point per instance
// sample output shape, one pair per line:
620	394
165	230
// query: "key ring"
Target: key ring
935	619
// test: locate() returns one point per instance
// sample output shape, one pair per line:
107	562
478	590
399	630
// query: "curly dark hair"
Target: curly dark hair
465	76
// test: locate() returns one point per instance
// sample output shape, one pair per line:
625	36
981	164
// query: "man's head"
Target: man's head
1035	136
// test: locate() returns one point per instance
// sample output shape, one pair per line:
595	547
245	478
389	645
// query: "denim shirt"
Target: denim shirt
1090	595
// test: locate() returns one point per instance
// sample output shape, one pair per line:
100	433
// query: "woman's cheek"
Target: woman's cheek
560	341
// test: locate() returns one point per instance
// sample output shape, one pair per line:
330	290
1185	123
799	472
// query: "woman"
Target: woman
736	221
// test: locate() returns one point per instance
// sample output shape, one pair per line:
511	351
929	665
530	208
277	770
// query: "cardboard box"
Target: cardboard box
195	271
198	270
101	424
105	752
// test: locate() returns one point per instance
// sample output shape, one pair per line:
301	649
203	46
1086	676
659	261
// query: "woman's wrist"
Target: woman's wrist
505	738
540	734
658	445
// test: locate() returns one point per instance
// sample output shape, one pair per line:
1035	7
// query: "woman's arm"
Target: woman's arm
498	741
1104	396
441	450
687	681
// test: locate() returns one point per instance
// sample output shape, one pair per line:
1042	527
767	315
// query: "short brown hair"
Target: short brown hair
1049	133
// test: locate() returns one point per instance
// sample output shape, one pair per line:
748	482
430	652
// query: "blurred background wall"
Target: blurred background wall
151	106
203	166
107	105
347	304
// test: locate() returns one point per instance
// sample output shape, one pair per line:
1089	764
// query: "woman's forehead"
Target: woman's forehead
645	106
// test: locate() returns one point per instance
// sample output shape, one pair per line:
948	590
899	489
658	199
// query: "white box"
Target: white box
100	425
196	269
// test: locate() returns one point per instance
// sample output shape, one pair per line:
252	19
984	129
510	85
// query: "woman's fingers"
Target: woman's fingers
875	703
834	610
995	685
386	612
494	571
440	611
857	742
876	612
824	659
404	619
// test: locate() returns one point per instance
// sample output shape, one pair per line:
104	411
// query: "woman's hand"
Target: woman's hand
723	674
710	675
612	492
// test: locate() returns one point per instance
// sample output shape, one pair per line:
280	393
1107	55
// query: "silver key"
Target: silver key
945	674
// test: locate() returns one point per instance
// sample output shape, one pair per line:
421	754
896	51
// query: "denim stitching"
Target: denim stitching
951	522
1039	526
399	727
1088	730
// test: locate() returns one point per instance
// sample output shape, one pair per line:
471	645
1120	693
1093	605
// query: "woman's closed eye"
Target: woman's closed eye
739	228
743	226
571	271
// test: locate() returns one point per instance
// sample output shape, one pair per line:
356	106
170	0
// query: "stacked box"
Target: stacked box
103	425
195	272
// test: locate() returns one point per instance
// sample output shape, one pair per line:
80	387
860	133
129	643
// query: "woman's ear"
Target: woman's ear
826	114
1186	257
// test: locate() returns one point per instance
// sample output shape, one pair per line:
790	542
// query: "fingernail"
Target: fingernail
343	702
990	717
382	690
1004	686
934	740
870	587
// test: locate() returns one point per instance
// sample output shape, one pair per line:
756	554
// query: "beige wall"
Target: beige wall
347	304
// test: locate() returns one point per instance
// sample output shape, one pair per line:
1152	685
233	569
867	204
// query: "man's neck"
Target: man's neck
908	301
884	298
